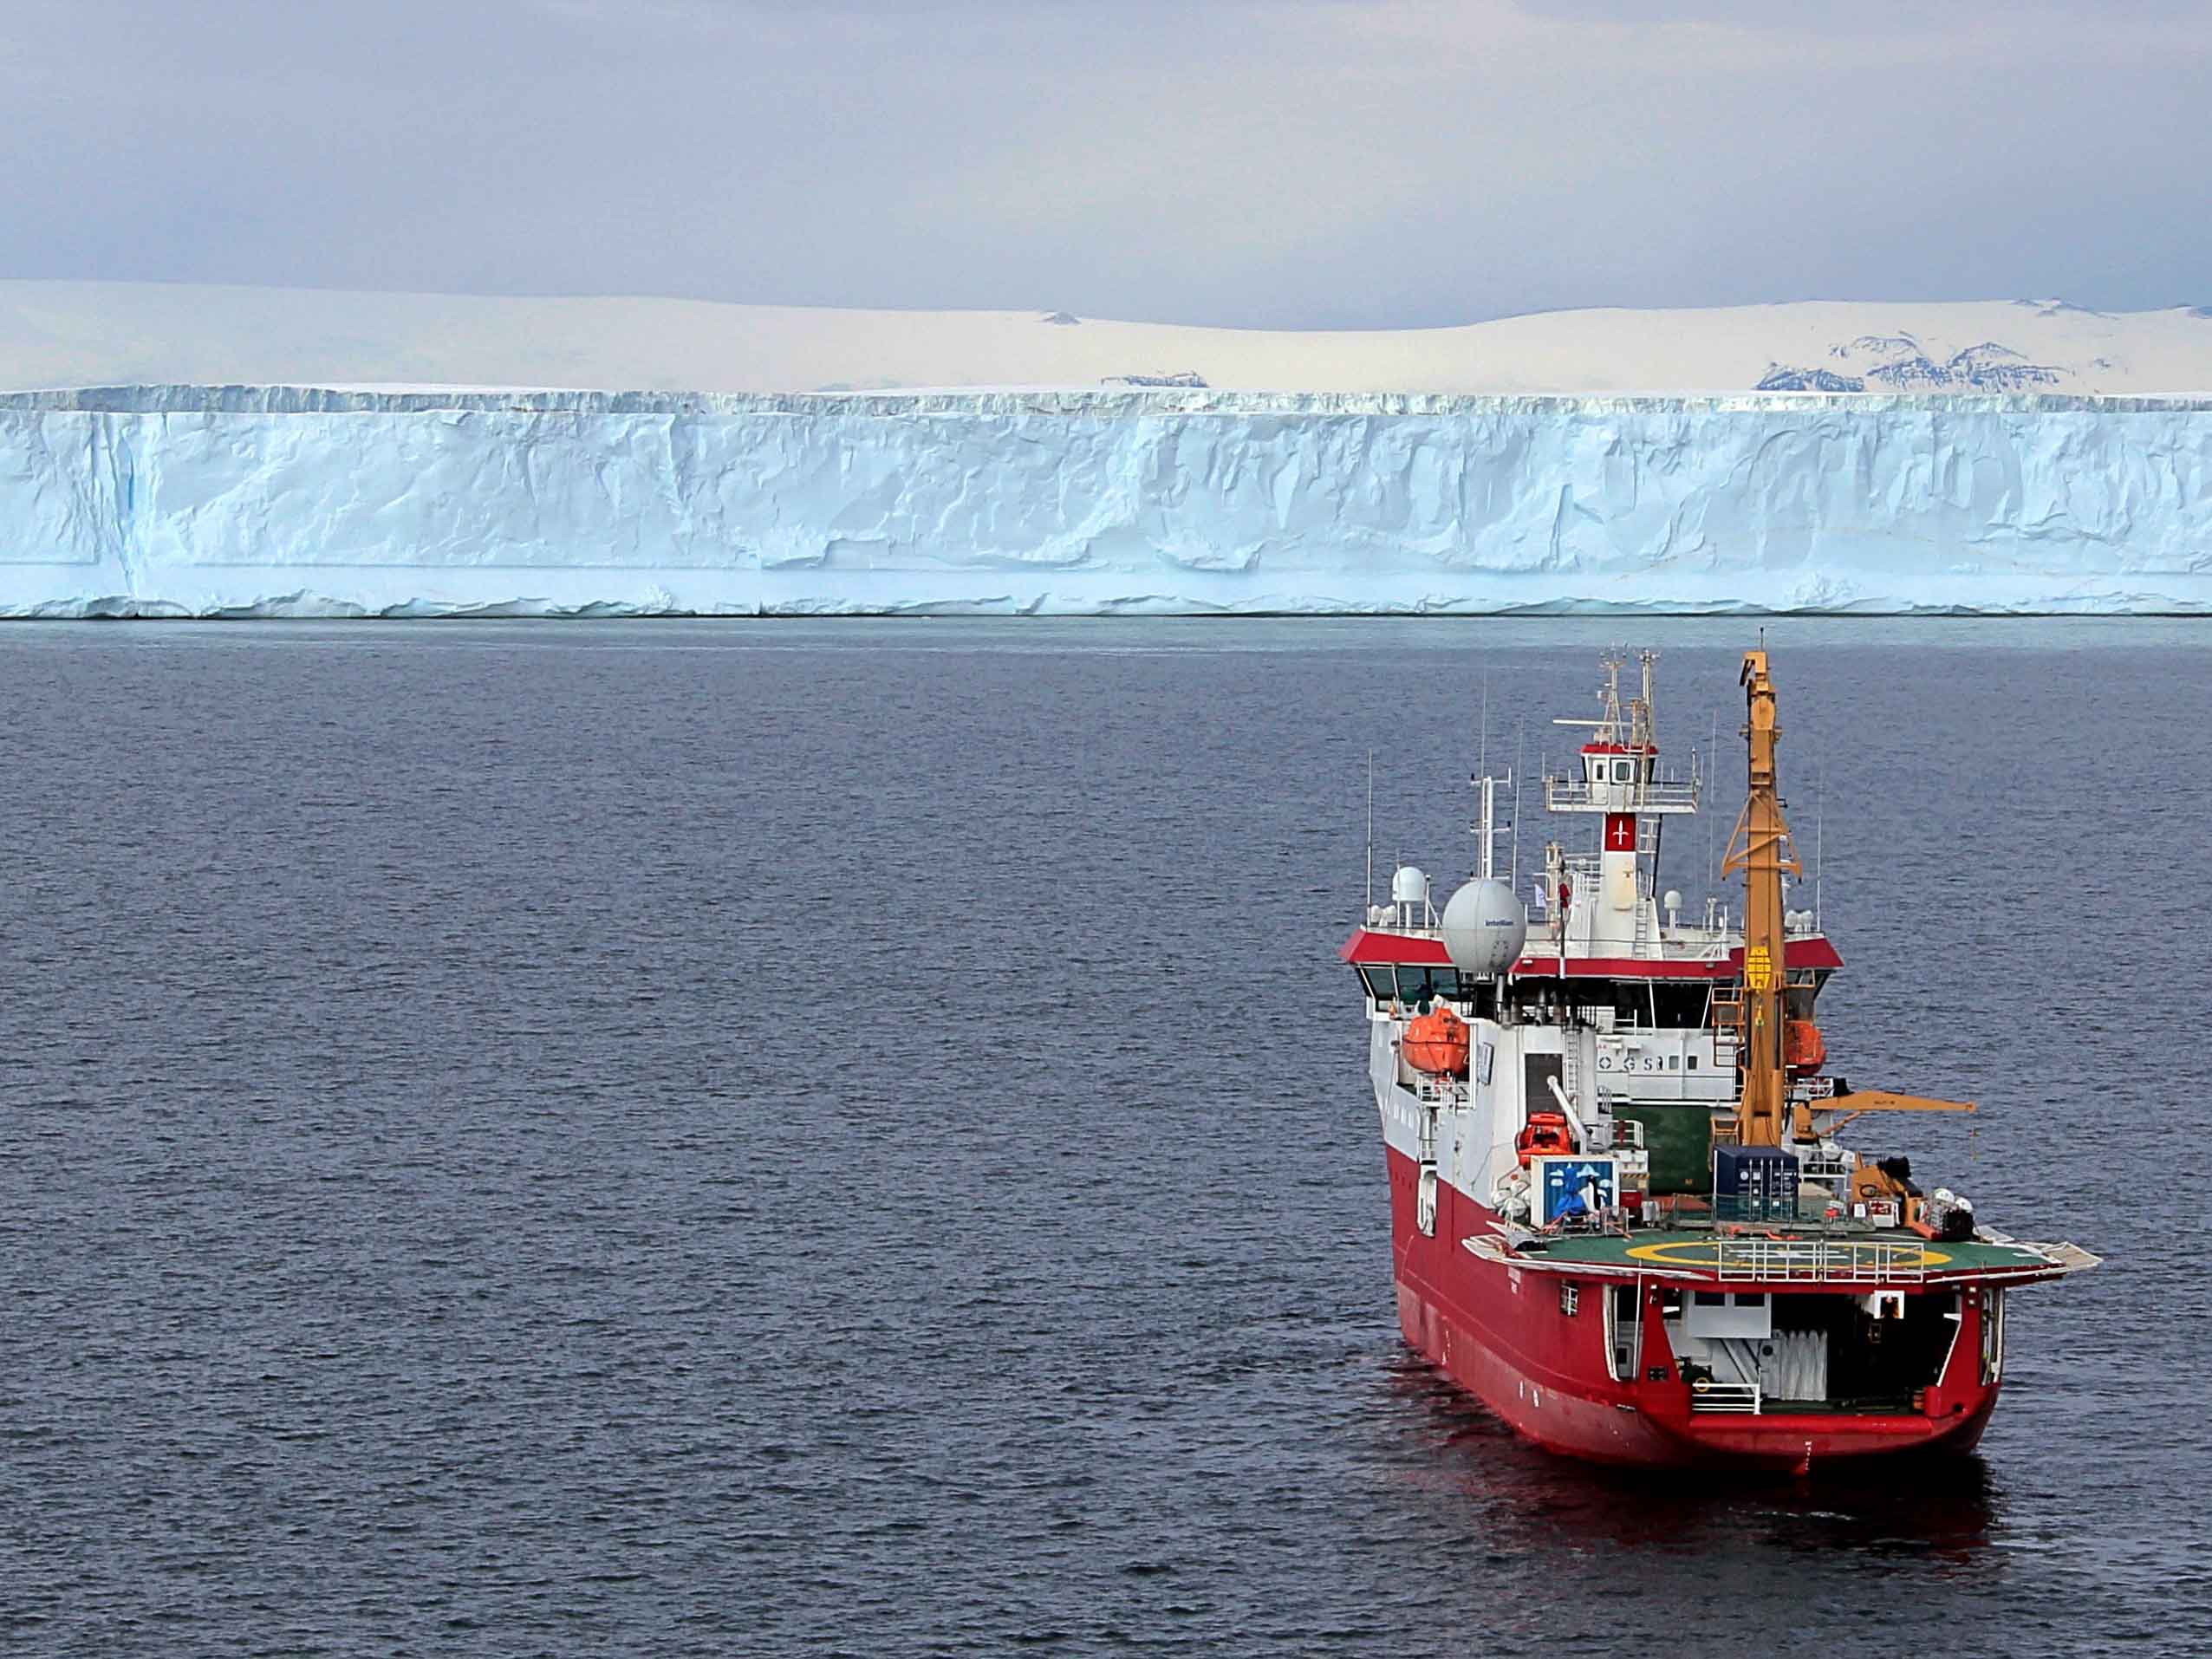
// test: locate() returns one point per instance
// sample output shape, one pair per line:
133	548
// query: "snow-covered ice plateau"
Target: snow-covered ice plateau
260	500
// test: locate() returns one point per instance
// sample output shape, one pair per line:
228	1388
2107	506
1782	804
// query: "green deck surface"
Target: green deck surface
1686	1250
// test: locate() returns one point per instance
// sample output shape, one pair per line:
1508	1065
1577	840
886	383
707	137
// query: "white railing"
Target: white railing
1432	1090
1579	794
1817	1167
1880	1261
1741	1397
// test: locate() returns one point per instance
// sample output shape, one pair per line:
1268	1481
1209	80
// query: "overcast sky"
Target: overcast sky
1275	163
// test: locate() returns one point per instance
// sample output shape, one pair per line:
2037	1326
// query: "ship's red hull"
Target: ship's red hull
1504	1334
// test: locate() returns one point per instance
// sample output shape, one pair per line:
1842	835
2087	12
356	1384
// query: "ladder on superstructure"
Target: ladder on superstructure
1647	883
1725	1016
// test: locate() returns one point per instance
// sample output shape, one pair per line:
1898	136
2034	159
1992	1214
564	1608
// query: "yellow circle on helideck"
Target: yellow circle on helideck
1706	1252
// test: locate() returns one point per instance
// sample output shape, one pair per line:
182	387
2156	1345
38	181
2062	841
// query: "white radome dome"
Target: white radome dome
1485	927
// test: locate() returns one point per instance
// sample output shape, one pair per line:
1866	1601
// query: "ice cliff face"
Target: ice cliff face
228	501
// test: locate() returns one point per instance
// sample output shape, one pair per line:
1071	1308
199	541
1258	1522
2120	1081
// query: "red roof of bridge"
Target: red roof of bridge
1371	947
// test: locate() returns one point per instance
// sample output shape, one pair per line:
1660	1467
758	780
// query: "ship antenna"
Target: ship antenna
1487	786
1819	833
1370	835
1713	770
1521	743
1482	753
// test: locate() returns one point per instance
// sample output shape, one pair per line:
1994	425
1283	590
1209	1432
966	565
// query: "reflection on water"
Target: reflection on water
1509	1496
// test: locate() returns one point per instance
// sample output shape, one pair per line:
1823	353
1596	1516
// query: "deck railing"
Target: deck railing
1881	1260
1432	1090
1820	1166
1741	1397
1660	795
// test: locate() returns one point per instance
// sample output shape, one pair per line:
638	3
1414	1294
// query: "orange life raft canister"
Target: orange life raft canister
1436	1042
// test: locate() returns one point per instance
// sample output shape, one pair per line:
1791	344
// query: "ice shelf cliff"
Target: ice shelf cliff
199	501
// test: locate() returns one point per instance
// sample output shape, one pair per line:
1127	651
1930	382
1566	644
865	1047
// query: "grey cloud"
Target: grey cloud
1866	16
1289	163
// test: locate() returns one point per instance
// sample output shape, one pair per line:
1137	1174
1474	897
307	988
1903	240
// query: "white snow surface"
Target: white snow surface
287	500
60	333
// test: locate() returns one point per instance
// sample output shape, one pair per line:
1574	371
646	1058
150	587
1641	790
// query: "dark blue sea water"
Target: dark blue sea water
781	1137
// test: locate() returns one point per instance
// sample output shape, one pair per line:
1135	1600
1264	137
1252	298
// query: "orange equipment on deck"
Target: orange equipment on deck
1436	1042
1803	1047
1547	1134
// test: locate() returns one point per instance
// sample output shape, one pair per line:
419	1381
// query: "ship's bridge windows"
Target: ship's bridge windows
1669	1005
1624	769
1411	985
1426	984
1677	1005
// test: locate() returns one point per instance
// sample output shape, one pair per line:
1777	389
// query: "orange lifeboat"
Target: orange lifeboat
1436	1042
1803	1047
1546	1136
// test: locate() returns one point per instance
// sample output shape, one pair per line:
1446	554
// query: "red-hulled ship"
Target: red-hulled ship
1620	1216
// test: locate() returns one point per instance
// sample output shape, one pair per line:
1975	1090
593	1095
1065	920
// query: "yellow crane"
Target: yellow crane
1760	846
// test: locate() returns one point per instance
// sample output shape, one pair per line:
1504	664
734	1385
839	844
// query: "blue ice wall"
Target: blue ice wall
287	500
